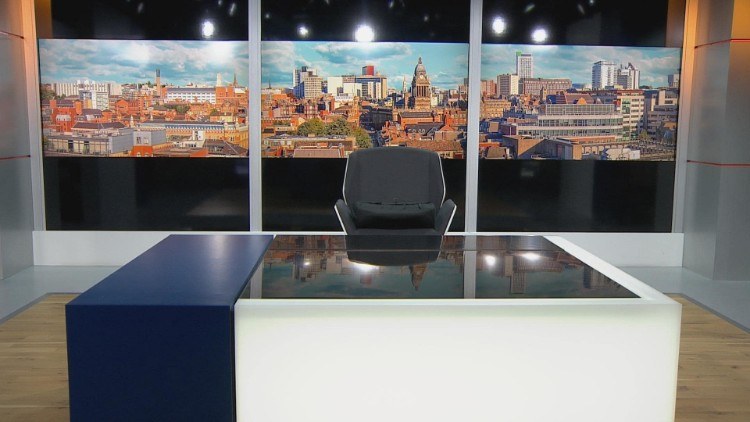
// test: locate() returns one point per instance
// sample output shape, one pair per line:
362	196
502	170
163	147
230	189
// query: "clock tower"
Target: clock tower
421	94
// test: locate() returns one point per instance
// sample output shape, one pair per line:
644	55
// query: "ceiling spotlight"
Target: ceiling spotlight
208	29
539	35
303	31
364	33
498	25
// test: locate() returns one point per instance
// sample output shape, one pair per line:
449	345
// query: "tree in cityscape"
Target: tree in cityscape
179	108
311	127
339	127
362	138
48	94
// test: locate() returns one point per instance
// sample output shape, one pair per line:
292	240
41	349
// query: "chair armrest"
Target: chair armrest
445	216
345	217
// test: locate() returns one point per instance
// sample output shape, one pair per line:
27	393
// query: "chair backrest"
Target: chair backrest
394	174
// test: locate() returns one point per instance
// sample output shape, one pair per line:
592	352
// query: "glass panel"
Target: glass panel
586	82
122	82
369	81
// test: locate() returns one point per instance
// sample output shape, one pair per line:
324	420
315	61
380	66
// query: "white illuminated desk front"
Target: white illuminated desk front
496	328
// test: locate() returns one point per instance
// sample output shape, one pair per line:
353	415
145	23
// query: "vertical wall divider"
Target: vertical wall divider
472	129
254	107
31	57
683	132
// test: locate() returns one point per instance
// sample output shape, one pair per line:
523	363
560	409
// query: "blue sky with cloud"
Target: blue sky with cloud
447	64
182	62
575	62
126	61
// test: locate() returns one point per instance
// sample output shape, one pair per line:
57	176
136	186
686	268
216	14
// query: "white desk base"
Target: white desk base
460	360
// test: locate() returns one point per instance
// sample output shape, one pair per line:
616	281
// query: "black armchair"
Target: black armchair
394	190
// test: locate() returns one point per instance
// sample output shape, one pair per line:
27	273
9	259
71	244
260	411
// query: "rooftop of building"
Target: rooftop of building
98	125
317	153
189	89
415	114
286	136
224	148
435	145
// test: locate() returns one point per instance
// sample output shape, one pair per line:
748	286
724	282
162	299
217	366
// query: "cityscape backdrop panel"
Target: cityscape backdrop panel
122	98
579	102
328	99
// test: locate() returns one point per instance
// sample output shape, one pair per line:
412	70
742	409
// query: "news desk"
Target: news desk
482	328
336	328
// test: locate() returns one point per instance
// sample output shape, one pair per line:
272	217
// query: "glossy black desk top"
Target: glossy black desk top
394	267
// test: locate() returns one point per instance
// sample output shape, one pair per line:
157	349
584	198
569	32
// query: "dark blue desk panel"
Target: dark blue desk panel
154	341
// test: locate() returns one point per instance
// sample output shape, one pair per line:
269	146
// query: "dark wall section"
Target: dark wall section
146	194
587	196
392	20
142	20
640	23
299	194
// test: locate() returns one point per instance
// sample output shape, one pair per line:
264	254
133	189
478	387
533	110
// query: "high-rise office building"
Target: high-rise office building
300	74
603	74
524	65
628	77
674	80
307	83
507	84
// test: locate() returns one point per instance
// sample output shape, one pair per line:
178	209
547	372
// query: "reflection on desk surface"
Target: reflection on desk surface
334	267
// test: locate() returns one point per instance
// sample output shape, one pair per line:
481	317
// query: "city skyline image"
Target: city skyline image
446	63
579	102
328	99
127	61
124	98
574	62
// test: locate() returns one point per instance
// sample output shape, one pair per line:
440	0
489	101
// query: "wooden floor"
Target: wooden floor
713	381
713	384
33	363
